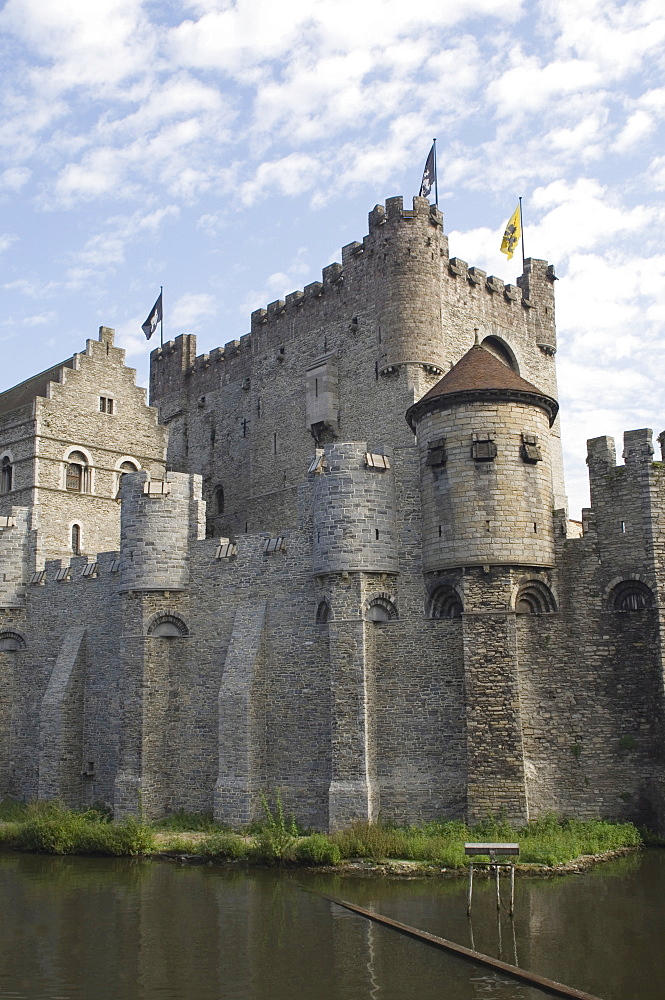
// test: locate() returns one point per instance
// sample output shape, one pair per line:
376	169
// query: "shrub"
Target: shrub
224	846
317	849
52	829
276	838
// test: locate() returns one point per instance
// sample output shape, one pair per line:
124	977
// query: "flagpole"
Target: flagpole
436	183
161	319
522	235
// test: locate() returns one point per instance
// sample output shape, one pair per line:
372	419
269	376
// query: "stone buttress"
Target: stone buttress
355	566
160	522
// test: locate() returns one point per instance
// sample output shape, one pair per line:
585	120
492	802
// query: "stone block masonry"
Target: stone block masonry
285	586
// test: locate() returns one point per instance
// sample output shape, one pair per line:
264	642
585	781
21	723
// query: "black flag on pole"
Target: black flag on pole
154	317
429	174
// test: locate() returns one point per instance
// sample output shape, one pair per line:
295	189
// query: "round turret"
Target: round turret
407	247
157	519
484	438
354	511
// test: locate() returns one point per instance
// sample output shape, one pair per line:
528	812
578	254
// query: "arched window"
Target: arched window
445	602
500	350
167	626
6	475
631	595
11	641
77	473
323	613
218	500
534	598
380	609
125	468
76	539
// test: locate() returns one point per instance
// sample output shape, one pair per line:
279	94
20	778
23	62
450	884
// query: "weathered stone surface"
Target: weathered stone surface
393	626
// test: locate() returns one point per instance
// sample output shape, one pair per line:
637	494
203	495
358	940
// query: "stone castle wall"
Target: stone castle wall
365	630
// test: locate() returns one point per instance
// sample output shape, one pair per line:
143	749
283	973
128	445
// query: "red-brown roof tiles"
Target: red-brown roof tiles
480	374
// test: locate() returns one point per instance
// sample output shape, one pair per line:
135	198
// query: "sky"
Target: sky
228	150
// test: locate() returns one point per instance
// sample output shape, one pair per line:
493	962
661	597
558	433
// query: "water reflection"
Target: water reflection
140	930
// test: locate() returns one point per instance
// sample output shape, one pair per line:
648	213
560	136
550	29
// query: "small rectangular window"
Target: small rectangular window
483	451
436	452
105	404
530	450
375	461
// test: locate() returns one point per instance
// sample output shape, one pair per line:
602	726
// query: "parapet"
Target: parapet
638	447
169	363
601	453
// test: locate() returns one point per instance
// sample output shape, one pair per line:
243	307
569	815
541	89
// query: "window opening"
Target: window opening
76	539
631	595
6	476
323	613
535	598
105	404
445	602
77	466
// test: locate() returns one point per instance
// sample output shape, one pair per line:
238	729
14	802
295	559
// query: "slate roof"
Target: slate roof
25	392
480	375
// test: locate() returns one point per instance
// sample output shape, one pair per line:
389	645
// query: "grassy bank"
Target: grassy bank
50	828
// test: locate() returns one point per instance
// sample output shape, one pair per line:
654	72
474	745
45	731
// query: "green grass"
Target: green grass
51	828
547	841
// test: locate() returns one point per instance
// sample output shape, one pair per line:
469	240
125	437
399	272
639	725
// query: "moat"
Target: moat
153	930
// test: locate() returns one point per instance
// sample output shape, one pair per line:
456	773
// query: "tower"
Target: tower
488	548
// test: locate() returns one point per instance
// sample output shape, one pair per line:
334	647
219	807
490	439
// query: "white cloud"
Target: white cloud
615	36
293	174
7	240
96	45
189	311
580	215
14	178
638	126
39	319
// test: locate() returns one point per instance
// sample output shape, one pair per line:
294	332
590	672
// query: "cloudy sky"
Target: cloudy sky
227	150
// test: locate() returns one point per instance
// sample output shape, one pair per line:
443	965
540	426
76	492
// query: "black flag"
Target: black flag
153	319
429	174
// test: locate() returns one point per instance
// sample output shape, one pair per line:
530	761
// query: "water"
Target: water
141	930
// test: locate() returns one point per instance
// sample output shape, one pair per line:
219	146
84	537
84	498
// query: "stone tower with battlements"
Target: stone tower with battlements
357	585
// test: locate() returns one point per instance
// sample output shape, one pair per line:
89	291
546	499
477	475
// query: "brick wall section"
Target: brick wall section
354	513
61	723
242	751
15	558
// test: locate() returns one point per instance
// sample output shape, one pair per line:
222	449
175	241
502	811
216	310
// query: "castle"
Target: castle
332	559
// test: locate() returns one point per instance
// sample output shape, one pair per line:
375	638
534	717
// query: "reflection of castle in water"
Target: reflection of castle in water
381	607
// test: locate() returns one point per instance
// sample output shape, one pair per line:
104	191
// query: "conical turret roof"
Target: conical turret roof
479	375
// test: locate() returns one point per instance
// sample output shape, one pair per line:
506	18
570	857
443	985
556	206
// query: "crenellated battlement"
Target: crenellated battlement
412	244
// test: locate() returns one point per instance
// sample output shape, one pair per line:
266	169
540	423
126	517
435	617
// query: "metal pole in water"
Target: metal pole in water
512	890
531	978
470	894
498	887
